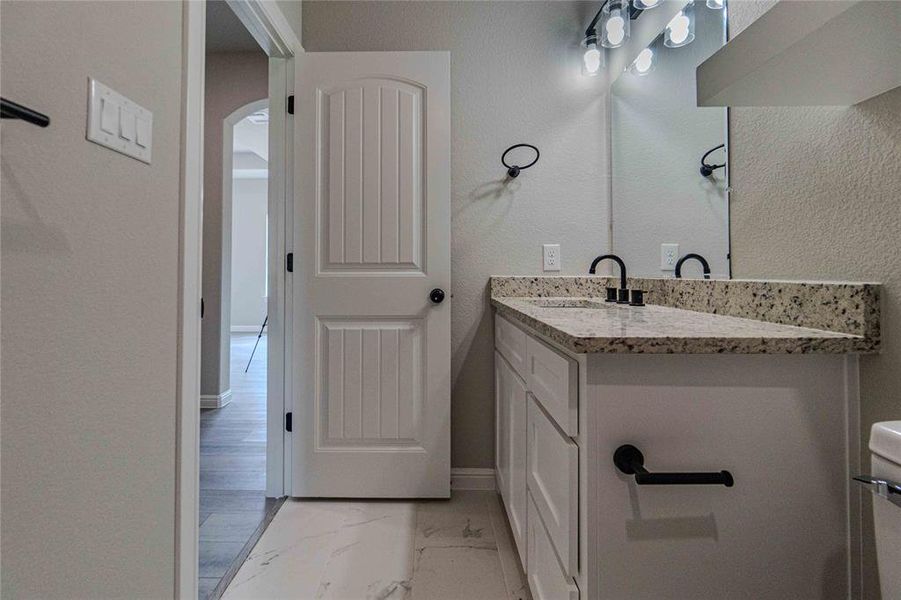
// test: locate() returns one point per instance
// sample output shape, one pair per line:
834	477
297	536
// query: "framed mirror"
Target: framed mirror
660	197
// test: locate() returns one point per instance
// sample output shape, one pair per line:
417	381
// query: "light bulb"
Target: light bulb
592	60
616	30
716	4
678	29
646	4
644	61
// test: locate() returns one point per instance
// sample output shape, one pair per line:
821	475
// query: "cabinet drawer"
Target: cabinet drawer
553	378
553	482
547	581
510	341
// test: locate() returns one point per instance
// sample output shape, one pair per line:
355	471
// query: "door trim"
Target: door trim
272	30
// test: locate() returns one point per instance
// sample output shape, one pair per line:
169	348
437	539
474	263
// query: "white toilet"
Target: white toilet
885	449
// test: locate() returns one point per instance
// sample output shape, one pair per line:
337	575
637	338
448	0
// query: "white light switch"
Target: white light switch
127	125
109	116
144	133
118	123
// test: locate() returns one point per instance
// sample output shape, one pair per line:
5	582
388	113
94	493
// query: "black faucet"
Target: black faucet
697	257
623	296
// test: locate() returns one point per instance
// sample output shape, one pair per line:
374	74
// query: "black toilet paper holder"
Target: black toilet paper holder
629	460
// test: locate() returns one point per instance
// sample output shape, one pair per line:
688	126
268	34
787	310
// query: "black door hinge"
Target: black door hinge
291	105
289	262
289	424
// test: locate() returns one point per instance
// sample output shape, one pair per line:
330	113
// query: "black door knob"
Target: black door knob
437	296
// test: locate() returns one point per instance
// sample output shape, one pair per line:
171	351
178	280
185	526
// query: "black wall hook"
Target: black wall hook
514	170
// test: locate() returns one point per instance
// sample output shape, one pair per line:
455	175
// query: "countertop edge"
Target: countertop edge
839	343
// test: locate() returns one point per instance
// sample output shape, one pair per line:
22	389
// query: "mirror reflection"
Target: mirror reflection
667	203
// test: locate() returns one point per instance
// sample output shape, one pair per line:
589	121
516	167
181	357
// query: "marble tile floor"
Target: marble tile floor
460	549
233	504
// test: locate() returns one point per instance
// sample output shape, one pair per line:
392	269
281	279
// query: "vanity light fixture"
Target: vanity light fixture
592	57
615	23
716	4
643	63
648	4
680	31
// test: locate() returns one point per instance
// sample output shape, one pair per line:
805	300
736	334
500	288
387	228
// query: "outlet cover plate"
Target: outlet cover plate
669	256
551	254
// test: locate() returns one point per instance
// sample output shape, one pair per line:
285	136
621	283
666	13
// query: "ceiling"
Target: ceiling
252	137
224	32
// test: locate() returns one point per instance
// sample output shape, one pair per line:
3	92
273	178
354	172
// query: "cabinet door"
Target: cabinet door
511	454
518	452
502	377
553	473
547	581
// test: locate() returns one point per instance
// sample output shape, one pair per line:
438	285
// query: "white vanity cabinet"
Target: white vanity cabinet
536	460
784	425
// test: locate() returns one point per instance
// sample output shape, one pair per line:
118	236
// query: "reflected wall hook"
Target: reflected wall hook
513	170
14	110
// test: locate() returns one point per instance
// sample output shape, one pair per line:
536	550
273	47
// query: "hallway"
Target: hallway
233	502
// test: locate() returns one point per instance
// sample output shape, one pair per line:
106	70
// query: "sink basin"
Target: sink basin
566	303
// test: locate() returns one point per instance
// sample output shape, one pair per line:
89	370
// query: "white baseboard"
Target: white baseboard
246	328
215	401
473	479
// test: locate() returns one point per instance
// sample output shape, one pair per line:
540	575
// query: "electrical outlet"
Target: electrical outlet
669	255
552	257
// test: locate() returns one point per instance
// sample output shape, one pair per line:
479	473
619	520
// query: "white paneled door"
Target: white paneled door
371	354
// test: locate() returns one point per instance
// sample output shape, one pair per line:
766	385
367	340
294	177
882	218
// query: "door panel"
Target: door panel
371	238
371	385
371	134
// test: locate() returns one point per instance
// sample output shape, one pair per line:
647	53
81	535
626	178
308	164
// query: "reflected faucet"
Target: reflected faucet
699	258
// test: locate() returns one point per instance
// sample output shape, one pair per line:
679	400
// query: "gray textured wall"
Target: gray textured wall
89	293
816	194
233	79
515	77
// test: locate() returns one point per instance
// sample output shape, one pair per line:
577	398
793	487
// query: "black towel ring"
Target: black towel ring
513	170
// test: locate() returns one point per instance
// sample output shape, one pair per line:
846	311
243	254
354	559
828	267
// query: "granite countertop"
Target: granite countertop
588	324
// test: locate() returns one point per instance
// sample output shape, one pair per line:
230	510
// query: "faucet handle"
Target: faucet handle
637	298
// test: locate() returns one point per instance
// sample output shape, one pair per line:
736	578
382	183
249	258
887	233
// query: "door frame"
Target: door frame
268	25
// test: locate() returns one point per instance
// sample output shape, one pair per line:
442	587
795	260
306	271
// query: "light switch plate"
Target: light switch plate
551	257
669	255
118	123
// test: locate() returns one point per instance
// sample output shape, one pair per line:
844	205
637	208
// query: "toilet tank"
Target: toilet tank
885	449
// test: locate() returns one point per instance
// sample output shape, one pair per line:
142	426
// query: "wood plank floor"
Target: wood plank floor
233	502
